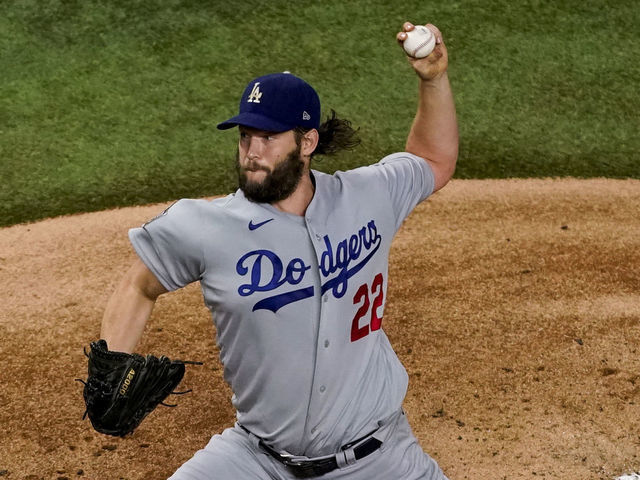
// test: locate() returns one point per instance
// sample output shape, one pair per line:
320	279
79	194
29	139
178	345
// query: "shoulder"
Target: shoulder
182	213
393	165
199	206
404	160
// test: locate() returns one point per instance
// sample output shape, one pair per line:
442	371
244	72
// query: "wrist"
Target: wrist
440	79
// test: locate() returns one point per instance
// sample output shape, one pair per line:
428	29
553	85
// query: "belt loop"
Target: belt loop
346	457
254	439
350	456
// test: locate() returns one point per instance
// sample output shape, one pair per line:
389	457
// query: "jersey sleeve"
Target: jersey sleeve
408	179
170	245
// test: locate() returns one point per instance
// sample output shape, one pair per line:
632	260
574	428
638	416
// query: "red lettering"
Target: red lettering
357	332
362	298
376	289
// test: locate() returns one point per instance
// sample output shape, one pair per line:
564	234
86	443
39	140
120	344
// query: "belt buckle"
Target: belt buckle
294	460
304	467
301	468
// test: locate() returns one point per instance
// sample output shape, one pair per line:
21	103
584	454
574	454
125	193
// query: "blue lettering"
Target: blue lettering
342	255
354	246
256	272
346	252
339	283
267	271
326	260
278	301
296	266
373	234
266	258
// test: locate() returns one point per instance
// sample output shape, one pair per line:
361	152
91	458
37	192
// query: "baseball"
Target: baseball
419	42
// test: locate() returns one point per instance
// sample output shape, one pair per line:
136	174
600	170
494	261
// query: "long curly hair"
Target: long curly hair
336	134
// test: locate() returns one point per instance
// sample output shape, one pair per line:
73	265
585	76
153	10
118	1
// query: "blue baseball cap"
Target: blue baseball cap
276	103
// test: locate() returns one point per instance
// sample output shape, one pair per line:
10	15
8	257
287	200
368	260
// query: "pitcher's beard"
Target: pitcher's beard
277	184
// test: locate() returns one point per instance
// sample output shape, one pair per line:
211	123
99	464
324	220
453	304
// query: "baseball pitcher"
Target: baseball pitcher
294	268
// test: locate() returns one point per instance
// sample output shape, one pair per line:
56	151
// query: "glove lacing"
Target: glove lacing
184	362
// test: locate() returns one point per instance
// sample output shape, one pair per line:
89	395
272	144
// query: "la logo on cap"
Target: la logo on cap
288	102
256	94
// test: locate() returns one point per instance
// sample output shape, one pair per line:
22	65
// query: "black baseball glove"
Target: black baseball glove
122	389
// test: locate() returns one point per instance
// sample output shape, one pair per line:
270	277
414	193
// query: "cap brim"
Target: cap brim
254	120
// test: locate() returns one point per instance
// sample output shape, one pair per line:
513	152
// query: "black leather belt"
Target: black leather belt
302	467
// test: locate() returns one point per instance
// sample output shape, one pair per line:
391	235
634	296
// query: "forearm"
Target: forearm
129	309
434	132
125	317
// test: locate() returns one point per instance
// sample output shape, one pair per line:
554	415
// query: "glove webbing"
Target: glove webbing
185	362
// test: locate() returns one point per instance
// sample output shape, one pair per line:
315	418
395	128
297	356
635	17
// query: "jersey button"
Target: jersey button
322	388
326	344
318	237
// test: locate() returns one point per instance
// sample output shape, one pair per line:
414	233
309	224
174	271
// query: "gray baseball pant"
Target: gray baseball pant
236	455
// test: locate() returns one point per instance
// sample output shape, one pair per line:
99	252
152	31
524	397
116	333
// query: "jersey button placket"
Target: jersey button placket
312	231
322	367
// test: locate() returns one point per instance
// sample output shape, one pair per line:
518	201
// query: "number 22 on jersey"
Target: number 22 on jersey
363	323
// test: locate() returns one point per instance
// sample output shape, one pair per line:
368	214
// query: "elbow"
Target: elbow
443	169
144	282
441	180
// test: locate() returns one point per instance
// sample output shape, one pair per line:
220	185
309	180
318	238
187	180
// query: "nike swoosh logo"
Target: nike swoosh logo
253	226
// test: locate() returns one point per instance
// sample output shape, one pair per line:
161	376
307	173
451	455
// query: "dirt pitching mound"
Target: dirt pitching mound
514	305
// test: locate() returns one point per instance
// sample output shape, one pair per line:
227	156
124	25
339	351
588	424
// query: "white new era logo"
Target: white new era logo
256	94
306	116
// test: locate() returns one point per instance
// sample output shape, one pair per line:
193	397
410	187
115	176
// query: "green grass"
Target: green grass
115	103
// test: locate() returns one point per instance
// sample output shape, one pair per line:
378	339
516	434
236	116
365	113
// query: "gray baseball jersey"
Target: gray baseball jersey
298	301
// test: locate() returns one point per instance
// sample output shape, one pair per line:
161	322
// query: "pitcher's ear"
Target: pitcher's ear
309	142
